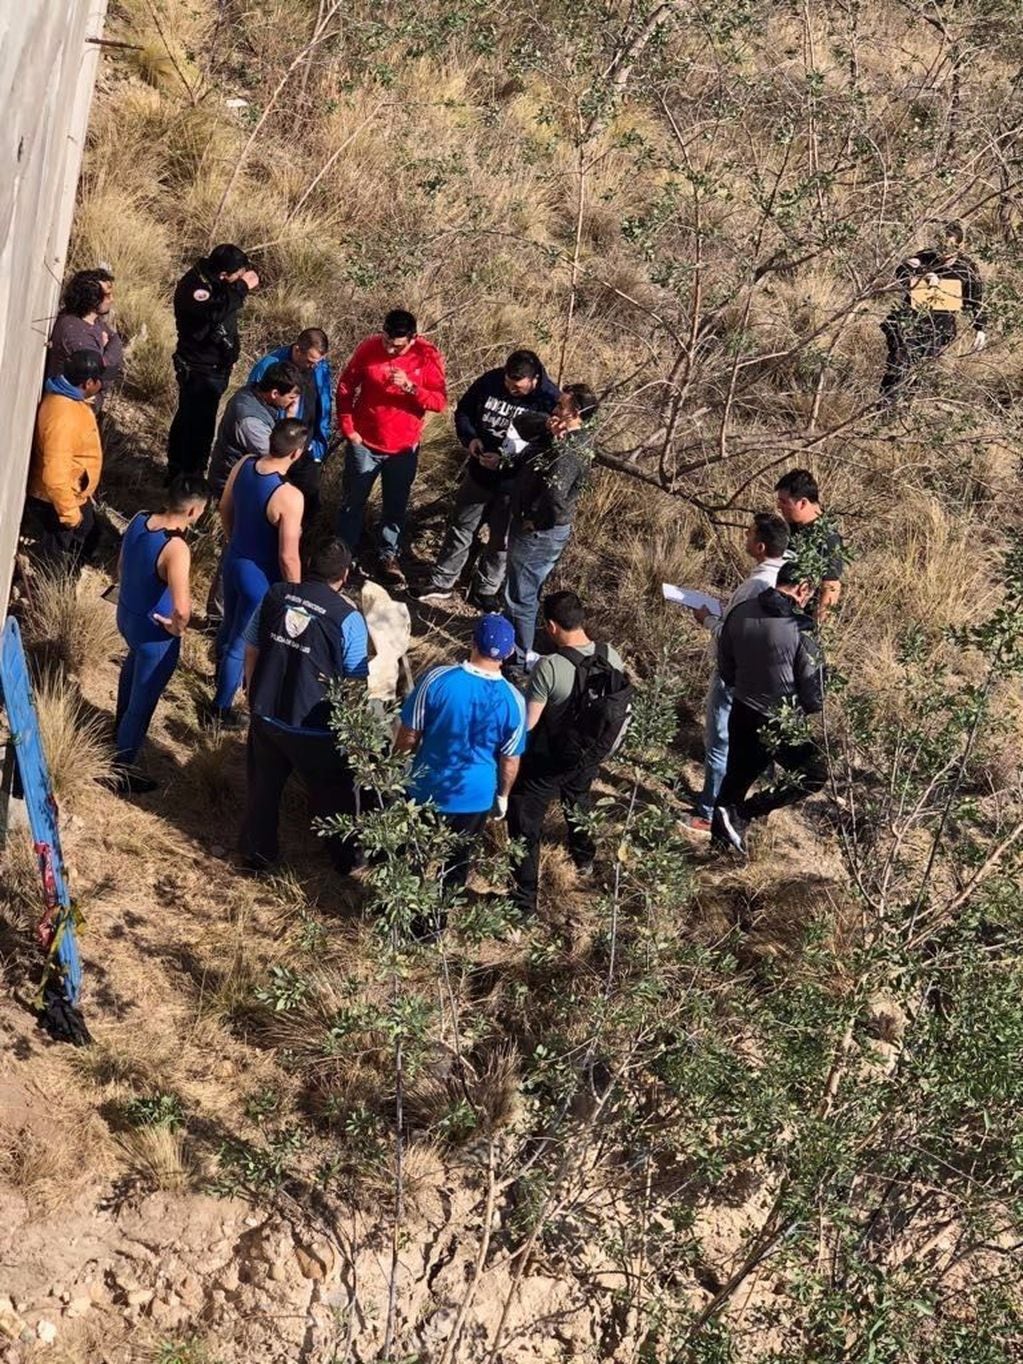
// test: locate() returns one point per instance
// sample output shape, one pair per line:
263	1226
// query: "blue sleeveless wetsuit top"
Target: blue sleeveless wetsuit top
142	591
253	537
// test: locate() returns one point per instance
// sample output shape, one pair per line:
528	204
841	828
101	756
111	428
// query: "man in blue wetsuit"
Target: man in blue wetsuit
261	513
153	609
302	638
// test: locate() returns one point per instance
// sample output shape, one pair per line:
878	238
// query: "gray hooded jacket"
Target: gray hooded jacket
768	652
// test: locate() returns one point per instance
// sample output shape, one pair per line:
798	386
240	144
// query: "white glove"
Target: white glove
979	341
501	807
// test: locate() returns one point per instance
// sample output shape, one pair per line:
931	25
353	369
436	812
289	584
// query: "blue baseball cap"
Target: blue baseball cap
494	636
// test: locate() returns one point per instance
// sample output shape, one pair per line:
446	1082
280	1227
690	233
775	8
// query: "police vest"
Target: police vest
300	654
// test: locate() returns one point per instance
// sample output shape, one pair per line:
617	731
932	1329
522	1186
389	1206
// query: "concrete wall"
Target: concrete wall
47	71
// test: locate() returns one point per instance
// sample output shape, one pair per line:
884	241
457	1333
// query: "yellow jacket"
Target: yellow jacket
67	458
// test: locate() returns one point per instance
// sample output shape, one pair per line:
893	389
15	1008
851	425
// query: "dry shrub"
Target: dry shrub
76	743
68	625
51	1168
212	772
158	1158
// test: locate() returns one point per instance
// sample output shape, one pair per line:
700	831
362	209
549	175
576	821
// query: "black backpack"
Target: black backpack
591	724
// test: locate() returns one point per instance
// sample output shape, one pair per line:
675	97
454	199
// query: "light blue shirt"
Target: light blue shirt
468	718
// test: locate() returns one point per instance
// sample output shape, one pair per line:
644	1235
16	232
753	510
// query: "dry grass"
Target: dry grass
77	744
67	624
158	1158
458	199
47	1167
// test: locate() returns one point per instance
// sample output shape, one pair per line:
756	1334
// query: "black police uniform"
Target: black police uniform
300	653
206	312
912	336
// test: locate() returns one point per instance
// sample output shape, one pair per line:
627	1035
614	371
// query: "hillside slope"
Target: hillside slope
703	1111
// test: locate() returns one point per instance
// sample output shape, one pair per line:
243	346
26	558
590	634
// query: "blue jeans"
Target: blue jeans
145	672
532	555
715	744
397	474
246	583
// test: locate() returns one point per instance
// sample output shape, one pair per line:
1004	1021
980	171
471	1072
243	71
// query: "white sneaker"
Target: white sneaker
438	597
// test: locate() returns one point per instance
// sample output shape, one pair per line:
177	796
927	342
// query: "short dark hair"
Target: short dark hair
83	292
226	259
584	400
283	376
791	574
184	490
330	561
523	364
398	323
773	533
313	338
288	435
799	483
564	609
83	365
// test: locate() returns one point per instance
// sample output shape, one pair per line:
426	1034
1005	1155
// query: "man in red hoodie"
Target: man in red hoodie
384	393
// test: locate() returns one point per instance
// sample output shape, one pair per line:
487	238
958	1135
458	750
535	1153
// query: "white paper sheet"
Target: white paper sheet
688	596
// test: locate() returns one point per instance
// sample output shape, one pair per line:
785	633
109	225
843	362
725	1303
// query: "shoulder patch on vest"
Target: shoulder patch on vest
200	295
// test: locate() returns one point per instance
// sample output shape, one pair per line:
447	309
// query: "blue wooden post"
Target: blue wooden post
56	930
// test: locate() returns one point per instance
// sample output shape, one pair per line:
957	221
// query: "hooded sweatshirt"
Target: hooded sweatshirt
485	412
769	653
67	457
389	420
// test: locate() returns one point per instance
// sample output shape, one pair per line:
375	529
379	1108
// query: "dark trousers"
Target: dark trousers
397	474
536	786
455	871
307	474
475	502
749	758
272	755
911	338
63	548
190	438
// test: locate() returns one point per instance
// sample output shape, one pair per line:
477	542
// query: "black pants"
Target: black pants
911	338
455	871
190	438
271	757
537	785
63	548
749	758
306	474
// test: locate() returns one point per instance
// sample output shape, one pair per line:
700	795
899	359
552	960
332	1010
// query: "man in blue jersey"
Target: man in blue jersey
304	636
466	725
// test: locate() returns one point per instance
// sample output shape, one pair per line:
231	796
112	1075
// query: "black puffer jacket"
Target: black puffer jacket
768	653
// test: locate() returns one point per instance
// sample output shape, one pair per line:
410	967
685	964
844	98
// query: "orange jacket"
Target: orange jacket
67	458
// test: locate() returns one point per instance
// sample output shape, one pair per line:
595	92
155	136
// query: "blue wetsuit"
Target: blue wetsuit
152	651
251	567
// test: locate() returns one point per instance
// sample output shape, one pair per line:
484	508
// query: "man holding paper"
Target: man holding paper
766	541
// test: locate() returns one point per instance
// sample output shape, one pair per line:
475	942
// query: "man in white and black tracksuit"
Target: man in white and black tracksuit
303	637
769	654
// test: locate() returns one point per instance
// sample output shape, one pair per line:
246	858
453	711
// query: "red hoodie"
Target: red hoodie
386	418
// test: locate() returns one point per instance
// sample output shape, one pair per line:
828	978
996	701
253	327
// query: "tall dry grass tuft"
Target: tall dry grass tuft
76	742
67	625
158	1158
